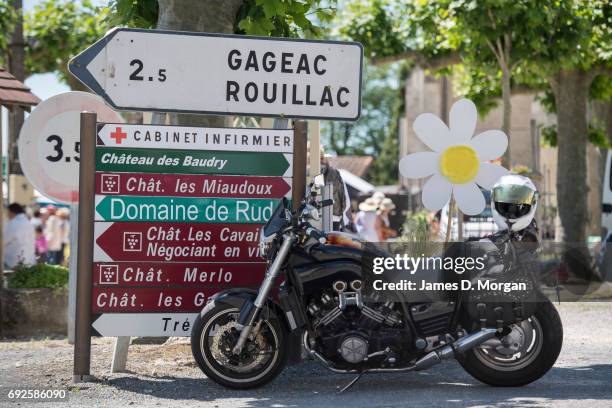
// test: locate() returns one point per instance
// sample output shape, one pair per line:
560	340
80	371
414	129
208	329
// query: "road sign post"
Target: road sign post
300	144
82	342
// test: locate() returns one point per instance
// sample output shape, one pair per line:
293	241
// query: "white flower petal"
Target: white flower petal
432	131
462	120
490	145
488	174
436	192
469	198
418	165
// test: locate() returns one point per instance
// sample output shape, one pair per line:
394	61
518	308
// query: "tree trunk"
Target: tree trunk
571	89
507	115
16	66
205	16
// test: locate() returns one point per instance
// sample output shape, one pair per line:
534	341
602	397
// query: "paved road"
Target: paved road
166	376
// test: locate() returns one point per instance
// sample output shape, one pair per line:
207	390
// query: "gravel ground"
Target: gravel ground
165	375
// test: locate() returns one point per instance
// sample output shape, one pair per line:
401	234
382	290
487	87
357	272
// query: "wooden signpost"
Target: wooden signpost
170	215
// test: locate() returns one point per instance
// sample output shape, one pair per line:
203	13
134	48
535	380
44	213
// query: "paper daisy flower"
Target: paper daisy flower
458	163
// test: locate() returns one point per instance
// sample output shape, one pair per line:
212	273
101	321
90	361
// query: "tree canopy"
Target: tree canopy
7	21
57	30
278	18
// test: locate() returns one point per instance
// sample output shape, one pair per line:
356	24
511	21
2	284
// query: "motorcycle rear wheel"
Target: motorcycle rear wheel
212	339
542	336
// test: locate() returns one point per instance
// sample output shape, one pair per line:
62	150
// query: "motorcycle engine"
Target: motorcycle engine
350	330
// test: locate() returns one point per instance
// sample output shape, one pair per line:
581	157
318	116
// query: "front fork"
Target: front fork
250	315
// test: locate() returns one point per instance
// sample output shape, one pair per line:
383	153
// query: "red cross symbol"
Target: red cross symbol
118	135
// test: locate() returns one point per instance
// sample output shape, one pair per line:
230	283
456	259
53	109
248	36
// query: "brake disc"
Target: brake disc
223	353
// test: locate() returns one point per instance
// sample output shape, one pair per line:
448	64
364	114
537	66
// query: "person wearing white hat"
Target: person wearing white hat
366	219
378	196
381	224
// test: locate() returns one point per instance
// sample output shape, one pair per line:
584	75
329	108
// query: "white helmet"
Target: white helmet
514	200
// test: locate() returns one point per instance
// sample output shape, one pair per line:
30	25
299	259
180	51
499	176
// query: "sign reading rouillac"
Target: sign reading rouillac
191	185
223	74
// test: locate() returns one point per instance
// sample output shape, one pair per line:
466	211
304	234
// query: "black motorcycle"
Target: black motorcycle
243	338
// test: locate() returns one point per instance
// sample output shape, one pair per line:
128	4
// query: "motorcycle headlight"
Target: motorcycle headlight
264	243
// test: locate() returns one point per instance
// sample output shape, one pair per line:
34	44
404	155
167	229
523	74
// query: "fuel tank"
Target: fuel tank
339	258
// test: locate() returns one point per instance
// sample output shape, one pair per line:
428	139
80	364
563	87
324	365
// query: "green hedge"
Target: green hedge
39	276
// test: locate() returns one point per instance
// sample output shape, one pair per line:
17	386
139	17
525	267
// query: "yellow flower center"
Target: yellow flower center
459	164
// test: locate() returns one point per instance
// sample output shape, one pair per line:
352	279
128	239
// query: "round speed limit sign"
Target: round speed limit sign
49	143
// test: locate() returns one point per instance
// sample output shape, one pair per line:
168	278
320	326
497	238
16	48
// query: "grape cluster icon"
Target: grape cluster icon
110	184
109	273
131	241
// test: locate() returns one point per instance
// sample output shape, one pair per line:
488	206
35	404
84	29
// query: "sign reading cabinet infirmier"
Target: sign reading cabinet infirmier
224	74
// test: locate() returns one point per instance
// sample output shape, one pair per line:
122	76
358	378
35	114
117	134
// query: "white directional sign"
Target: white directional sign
182	137
144	324
135	69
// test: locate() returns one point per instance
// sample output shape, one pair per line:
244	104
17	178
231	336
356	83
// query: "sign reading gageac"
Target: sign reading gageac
224	74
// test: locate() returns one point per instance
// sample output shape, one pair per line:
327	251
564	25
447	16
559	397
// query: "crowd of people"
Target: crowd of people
40	237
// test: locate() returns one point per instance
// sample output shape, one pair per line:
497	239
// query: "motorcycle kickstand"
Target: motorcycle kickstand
353	381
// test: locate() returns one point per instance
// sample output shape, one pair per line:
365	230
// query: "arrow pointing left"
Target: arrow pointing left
144	324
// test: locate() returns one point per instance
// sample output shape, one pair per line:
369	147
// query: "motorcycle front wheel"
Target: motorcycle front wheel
524	355
213	338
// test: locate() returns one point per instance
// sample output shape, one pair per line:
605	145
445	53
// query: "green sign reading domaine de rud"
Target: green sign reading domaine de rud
184	209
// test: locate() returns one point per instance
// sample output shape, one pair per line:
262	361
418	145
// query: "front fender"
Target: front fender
233	296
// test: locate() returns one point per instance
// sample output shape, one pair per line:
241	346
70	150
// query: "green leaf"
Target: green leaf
269	7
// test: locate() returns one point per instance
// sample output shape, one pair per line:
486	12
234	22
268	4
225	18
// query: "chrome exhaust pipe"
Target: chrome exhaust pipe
463	344
339	286
356	285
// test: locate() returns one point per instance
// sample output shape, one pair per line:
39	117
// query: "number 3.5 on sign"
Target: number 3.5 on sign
58	150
